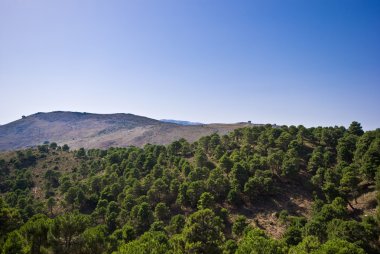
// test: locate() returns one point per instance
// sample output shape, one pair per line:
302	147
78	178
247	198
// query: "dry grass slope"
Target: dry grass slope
99	130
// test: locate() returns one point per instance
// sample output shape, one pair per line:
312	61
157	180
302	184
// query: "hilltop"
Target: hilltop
100	130
180	122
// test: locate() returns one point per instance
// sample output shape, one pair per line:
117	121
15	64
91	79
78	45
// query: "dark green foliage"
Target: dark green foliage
370	159
239	176
346	148
226	163
292	235
53	145
161	212
230	247
177	223
239	225
259	185
255	241
141	217
291	163
81	153
355	129
316	161
218	184
309	244
10	219
234	197
339	246
200	158
52	177
206	200
16	244
65	148
129	233
351	231
150	242
50	204
157	226
36	232
25	159
203	232
197	198
194	192
94	240
65	231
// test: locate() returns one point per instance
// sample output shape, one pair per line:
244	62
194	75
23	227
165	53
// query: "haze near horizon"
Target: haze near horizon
284	62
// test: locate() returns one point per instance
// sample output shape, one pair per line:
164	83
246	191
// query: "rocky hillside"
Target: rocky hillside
99	130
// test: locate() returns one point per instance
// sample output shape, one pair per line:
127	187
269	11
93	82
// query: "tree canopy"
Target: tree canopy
209	196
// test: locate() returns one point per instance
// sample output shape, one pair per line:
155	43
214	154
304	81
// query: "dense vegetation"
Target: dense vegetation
203	197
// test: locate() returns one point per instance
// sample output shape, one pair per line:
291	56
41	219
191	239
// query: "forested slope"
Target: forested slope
255	190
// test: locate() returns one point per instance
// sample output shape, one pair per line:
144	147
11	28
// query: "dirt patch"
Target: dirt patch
263	213
365	205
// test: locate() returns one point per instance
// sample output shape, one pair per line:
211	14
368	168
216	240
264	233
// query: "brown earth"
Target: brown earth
294	197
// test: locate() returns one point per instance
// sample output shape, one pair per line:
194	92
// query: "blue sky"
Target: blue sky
285	62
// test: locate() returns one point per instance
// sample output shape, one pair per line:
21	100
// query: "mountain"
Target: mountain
99	130
180	122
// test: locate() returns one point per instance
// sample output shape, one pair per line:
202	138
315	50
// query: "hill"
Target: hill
99	130
180	122
259	189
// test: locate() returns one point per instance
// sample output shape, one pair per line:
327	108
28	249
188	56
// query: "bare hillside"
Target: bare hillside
99	130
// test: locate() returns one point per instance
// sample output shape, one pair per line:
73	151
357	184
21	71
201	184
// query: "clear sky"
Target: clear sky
311	62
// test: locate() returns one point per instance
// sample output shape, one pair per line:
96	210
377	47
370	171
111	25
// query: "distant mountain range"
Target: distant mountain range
180	122
101	130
